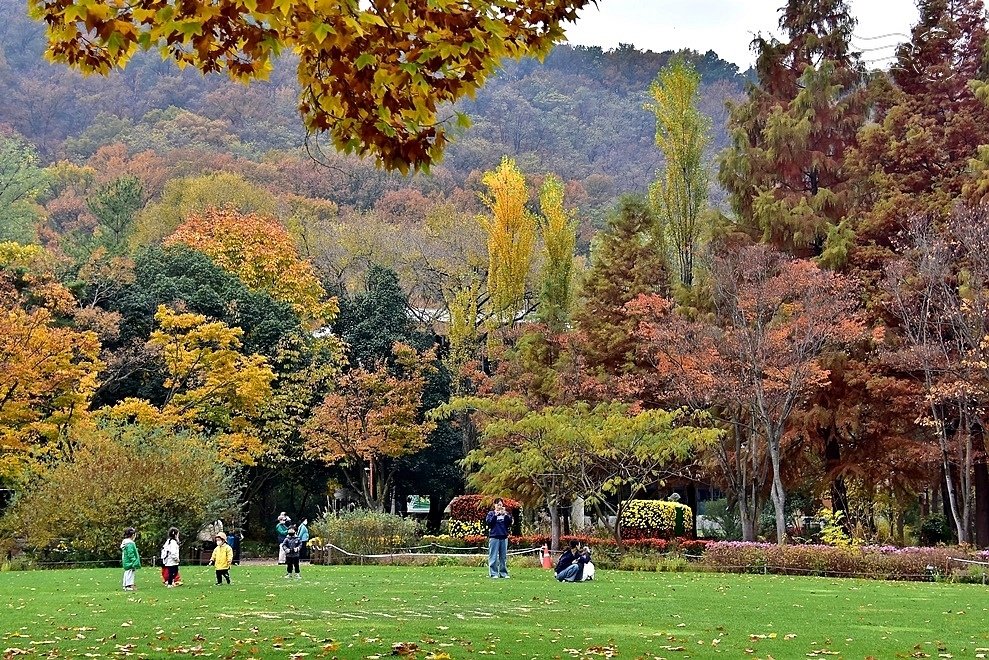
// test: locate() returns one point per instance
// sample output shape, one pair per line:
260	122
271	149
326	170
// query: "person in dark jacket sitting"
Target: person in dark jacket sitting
498	522
567	557
575	572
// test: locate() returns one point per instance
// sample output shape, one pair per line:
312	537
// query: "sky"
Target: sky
727	26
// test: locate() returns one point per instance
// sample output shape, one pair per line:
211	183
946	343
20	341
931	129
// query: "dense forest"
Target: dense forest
633	273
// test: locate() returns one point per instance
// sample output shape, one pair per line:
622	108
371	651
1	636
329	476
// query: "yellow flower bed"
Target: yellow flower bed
658	517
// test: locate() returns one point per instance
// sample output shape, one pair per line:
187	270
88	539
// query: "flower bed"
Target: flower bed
656	519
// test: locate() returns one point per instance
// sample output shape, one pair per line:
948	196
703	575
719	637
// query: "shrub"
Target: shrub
869	561
935	530
476	507
365	532
121	475
656	519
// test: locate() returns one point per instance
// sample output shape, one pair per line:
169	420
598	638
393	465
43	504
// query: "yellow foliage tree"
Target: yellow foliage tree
559	231
210	386
259	251
189	195
511	230
48	371
372	74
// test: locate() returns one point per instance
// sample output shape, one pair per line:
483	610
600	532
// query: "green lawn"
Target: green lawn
360	612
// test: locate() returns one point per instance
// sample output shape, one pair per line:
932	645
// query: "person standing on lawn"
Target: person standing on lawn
292	547
130	558
304	537
223	556
281	530
170	557
499	522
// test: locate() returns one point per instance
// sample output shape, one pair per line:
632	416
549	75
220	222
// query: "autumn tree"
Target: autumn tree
627	261
48	369
772	320
185	196
680	192
210	387
559	238
915	158
939	291
511	232
259	251
372	417
784	169
373	76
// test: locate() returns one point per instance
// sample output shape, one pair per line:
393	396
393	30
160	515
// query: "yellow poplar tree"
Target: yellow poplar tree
511	231
680	193
559	231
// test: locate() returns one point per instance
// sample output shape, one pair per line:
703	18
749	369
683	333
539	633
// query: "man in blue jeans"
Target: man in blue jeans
499	522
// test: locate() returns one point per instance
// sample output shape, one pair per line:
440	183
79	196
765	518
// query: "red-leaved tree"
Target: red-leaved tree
753	359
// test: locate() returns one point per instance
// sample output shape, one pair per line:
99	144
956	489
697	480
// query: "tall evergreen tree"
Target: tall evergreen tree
783	171
915	159
628	261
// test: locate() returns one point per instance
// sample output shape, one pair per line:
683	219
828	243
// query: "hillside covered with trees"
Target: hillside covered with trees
790	304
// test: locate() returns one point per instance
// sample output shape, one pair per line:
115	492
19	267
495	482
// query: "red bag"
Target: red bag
164	576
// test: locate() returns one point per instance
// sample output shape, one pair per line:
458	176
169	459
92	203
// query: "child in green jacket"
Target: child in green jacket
130	558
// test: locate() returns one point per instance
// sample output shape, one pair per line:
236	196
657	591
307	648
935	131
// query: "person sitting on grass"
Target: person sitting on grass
568	557
130	558
575	572
223	556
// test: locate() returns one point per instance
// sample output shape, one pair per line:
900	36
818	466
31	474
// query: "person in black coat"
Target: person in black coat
567	557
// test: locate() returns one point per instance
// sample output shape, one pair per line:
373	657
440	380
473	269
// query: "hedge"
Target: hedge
869	561
476	507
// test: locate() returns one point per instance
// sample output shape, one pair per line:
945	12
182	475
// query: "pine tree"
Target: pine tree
783	171
916	158
629	261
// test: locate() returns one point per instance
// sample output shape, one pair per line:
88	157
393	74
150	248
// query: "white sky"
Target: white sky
726	26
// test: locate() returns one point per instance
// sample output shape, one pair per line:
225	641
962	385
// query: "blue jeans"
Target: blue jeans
497	556
569	574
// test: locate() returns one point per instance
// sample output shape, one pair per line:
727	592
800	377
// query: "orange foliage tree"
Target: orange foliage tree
48	371
757	356
371	418
259	251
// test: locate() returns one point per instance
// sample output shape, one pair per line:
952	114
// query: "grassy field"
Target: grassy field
455	612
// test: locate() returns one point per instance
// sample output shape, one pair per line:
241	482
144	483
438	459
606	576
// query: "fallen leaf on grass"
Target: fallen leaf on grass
404	649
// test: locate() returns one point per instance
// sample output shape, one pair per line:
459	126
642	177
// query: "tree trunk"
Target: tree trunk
554	524
981	502
692	503
777	493
839	491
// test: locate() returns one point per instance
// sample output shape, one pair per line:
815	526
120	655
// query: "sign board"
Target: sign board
417	504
